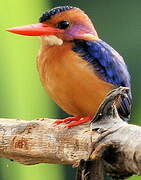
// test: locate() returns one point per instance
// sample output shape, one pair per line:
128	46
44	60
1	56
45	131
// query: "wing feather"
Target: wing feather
109	66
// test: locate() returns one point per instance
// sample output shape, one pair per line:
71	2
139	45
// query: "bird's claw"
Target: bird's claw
73	121
67	120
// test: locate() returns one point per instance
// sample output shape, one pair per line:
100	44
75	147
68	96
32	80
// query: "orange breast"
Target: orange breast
70	81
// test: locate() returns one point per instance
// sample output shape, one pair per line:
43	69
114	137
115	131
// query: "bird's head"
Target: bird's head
60	24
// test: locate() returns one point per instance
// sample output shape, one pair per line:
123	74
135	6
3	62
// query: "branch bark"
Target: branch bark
108	139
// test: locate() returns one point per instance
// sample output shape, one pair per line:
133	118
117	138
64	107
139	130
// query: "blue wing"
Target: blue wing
109	66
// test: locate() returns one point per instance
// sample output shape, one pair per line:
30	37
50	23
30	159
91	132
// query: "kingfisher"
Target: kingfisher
76	67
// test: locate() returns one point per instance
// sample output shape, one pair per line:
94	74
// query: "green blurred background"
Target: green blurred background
21	93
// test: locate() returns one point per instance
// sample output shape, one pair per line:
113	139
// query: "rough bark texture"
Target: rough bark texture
40	141
90	170
107	140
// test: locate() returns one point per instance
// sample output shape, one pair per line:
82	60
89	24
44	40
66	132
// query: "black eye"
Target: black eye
63	24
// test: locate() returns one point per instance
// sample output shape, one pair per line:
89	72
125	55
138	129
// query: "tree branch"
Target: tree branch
40	141
108	140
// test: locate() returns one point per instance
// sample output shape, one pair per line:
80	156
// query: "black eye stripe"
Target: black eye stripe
63	25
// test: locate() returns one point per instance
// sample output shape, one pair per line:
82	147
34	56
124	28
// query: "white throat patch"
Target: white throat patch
52	40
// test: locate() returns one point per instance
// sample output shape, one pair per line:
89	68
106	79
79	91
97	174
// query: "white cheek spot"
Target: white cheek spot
52	40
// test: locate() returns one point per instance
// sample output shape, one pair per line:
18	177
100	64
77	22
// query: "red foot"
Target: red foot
74	121
69	119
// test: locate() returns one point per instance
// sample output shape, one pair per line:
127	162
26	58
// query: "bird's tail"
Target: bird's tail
124	106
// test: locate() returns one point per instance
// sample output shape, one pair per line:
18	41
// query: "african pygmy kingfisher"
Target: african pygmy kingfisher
76	67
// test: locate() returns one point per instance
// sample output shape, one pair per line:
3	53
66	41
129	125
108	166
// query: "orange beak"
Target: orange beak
35	30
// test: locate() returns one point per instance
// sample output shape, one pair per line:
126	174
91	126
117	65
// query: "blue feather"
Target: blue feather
108	65
48	14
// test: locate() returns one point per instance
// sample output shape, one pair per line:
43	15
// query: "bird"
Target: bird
76	67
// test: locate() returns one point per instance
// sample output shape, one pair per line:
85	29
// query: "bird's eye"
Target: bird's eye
63	24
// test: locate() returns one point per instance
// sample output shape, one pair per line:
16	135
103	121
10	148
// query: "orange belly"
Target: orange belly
70	81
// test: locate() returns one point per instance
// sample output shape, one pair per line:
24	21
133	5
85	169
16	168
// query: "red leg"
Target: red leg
69	119
80	121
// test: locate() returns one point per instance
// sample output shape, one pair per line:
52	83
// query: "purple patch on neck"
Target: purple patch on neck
79	29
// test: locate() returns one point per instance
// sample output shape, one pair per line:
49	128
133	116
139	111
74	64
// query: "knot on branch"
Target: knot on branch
105	150
107	147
